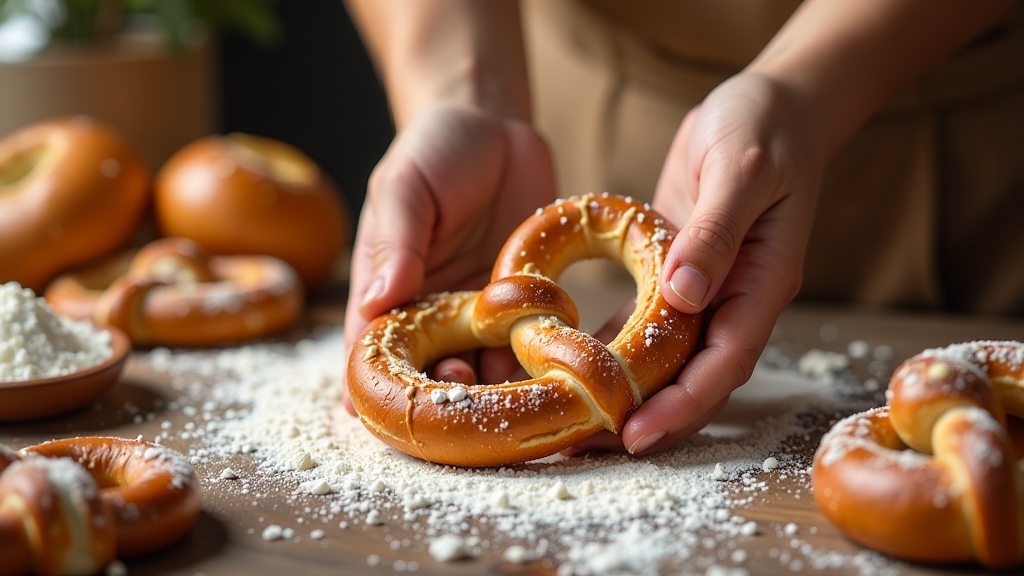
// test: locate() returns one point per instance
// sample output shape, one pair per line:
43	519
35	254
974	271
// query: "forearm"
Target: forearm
844	59
457	52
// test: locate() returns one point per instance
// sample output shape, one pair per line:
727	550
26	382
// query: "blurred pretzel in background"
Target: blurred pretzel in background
172	293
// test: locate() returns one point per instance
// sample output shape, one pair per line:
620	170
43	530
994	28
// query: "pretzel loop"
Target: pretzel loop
69	507
579	386
933	476
172	293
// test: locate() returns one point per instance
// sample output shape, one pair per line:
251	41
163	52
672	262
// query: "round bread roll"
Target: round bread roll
71	190
243	194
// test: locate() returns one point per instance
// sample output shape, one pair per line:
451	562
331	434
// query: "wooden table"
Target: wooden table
224	543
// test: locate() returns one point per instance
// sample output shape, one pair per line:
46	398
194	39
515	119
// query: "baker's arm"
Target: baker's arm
461	52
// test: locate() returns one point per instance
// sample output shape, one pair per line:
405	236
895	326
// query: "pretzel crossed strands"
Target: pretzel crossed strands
70	507
579	385
172	293
933	476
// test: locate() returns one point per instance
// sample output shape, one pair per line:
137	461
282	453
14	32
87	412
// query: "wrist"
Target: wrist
462	82
462	53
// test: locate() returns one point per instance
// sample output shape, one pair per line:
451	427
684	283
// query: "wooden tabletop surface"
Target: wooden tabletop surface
227	539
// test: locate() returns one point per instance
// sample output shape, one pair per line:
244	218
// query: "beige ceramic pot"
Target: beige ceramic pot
158	100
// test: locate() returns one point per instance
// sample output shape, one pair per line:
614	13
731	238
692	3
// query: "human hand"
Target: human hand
741	179
440	204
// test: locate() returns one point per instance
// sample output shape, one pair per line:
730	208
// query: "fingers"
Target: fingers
735	187
751	301
439	206
657	441
388	259
603	441
741	178
455	370
392	259
493	364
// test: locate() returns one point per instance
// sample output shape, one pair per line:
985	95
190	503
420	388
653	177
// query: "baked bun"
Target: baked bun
243	194
71	190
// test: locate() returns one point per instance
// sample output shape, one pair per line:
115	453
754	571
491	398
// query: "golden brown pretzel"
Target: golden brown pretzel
172	293
579	386
71	506
933	476
71	190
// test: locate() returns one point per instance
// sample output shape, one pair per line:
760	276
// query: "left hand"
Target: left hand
742	177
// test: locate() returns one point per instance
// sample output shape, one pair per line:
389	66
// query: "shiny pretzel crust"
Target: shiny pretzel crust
579	386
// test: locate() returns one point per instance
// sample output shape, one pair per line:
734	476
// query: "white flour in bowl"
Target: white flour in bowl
265	422
35	343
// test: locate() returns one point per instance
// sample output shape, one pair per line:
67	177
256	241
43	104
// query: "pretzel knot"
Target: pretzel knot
933	476
579	385
71	506
171	292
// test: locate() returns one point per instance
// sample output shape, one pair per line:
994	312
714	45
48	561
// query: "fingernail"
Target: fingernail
374	291
689	284
646	441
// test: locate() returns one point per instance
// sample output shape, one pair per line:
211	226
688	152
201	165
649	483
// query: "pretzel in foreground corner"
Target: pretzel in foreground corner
933	476
579	385
71	506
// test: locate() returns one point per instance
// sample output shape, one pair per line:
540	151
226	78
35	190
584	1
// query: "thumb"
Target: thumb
732	191
388	259
390	256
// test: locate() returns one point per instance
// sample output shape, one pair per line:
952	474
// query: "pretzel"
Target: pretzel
579	385
71	190
172	293
72	506
933	476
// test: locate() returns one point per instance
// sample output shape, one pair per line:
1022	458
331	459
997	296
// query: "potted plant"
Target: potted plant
147	67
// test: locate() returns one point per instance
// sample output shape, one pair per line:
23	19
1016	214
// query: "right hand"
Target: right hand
439	206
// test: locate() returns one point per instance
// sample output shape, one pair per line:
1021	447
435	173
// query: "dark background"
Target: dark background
314	88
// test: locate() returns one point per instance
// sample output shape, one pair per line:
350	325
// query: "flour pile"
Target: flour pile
274	409
35	343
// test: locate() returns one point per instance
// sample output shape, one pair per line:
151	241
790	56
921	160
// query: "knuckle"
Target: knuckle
758	171
791	284
715	235
375	181
788	278
382	250
752	166
390	176
744	367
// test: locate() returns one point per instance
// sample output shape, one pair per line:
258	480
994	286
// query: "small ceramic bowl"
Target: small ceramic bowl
31	399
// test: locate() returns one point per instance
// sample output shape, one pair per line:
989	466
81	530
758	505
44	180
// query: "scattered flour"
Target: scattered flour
448	547
35	343
276	408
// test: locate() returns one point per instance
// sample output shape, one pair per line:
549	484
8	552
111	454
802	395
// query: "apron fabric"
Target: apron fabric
918	210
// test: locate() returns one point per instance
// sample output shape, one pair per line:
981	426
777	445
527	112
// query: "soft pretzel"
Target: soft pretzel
172	293
579	386
244	194
933	476
72	506
71	191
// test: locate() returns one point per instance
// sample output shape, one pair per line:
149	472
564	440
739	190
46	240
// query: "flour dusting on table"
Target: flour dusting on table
277	408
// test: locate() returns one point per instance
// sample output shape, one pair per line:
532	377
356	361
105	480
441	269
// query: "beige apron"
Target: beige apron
919	209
